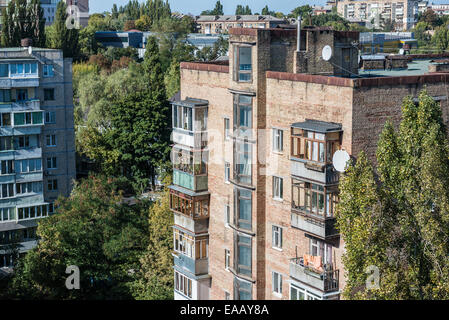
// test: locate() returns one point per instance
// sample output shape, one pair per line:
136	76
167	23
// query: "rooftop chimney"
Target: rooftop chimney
27	42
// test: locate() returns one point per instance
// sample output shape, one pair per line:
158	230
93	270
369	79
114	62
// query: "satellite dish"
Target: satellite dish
340	160
326	53
30	50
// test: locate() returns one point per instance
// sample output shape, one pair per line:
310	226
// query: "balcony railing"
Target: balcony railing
317	225
325	280
188	181
194	266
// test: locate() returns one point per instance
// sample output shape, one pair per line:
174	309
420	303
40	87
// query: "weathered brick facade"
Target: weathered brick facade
281	98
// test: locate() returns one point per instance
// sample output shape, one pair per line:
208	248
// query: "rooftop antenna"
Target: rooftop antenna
298	41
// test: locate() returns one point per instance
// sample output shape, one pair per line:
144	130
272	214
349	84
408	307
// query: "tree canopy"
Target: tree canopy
396	216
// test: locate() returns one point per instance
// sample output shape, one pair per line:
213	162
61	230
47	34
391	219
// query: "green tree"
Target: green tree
217	11
64	38
440	39
155	280
94	230
398	218
23	19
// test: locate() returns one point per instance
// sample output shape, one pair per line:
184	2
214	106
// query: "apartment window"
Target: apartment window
6	261
314	199
7	214
52	185
48	70
227	124
4	70
277	282
243	255
29	187
7	190
227	171
277	237
23	69
5	95
314	146
243	162
6	167
194	248
242	289
242	63
183	284
50	117
227	259
243	114
278	140
22	94
227	214
50	140
52	163
23	142
243	208
6	119
6	143
301	294
28	165
49	94
27	118
278	188
197	208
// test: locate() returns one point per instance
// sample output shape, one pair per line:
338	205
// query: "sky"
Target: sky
196	6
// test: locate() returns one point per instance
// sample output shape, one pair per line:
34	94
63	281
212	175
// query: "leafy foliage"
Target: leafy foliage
398	219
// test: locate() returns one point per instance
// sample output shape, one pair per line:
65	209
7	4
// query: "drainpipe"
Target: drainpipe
298	44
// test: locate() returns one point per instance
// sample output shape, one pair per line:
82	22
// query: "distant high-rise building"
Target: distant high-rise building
402	13
37	141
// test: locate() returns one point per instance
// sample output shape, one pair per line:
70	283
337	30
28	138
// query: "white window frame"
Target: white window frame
278	281
227	259
278	140
276	238
227	172
278	188
227	212
227	128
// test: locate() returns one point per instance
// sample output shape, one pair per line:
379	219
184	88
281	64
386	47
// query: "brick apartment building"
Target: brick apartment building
254	187
37	142
404	13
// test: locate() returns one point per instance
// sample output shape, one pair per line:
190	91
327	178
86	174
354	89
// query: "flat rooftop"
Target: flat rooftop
415	68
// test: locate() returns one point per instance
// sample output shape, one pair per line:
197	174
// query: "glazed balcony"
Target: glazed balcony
325	279
189	181
313	144
313	208
194	266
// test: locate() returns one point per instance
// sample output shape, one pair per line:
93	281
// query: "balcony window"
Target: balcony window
243	115
314	199
4	70
242	162
28	118
194	248
243	63
6	167
191	162
6	143
5	95
7	190
314	146
22	94
278	188
6	119
183	284
242	289
243	259
7	214
277	282
23	69
28	165
243	208
195	208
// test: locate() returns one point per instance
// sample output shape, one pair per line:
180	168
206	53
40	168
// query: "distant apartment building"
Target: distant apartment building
37	144
403	13
49	9
440	9
317	10
222	24
255	185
